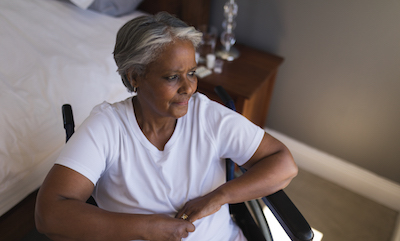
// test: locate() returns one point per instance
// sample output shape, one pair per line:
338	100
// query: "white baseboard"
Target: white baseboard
396	233
343	173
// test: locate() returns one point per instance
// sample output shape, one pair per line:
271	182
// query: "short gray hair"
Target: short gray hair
142	39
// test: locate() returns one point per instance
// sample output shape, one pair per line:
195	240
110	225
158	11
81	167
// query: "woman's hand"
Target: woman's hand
165	228
201	207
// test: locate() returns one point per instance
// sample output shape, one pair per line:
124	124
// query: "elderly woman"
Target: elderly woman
154	162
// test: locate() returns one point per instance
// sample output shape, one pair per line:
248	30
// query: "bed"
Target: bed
53	52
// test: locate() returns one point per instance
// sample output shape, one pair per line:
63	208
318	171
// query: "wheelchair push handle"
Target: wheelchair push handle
225	98
68	119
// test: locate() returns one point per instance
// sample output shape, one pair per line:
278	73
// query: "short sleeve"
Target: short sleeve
235	136
92	146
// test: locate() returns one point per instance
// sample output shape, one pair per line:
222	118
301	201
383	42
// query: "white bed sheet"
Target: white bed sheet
51	53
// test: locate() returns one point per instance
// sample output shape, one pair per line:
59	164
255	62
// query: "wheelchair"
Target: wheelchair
249	215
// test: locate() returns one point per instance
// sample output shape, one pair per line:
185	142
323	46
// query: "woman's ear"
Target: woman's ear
131	76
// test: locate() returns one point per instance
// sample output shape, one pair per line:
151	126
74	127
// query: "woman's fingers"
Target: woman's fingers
198	208
165	228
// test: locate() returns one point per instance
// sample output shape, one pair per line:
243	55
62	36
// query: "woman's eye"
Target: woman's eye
173	77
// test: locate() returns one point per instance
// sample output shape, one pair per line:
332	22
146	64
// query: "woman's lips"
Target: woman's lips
181	102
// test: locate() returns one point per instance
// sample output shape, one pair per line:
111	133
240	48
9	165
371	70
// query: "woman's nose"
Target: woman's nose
188	86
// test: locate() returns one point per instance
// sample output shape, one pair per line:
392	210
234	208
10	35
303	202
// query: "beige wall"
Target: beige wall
339	87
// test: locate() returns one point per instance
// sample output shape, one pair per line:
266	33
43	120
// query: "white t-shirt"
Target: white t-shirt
132	176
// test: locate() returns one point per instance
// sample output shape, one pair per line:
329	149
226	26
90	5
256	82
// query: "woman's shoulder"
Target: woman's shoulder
199	97
204	106
109	114
111	110
210	114
105	106
201	100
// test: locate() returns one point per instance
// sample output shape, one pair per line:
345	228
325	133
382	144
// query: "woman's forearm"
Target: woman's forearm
265	177
75	220
72	220
62	213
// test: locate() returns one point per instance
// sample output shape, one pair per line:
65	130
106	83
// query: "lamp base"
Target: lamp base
230	55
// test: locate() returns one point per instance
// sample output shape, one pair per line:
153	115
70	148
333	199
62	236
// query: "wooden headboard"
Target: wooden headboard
193	12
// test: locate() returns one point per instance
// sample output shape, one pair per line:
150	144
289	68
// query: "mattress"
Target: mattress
52	53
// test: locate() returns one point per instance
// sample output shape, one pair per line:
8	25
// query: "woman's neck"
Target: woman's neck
158	130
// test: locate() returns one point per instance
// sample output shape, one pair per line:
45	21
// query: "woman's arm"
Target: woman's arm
63	214
269	170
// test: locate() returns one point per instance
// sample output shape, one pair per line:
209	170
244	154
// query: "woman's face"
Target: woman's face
169	81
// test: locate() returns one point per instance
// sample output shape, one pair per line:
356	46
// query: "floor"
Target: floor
332	210
338	213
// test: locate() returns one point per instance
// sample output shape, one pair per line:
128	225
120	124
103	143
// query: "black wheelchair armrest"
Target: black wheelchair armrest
289	216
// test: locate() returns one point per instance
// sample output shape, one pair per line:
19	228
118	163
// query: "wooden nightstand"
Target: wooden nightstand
249	80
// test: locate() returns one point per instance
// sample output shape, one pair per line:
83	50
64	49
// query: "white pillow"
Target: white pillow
84	4
109	7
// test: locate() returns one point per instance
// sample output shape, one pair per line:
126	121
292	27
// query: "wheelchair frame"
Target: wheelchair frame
287	214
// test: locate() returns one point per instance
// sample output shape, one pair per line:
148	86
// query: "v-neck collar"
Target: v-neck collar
143	139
